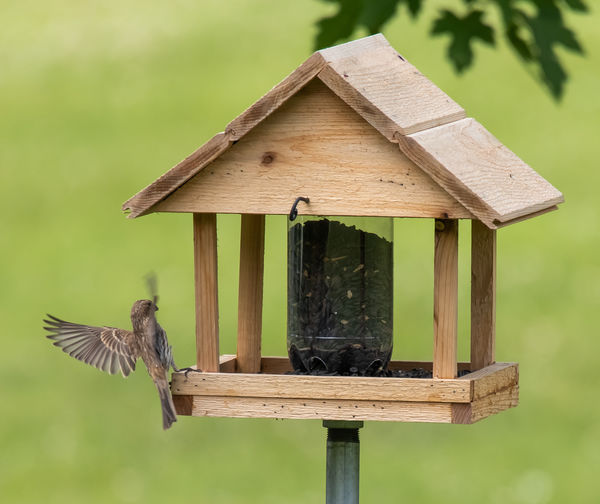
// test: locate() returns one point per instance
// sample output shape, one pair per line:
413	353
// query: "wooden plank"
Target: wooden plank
486	406
494	379
386	90
227	363
483	295
452	184
480	172
183	404
499	225
276	365
320	387
141	203
445	299
206	290
315	146
354	47
257	112
461	413
252	246
256	407
494	403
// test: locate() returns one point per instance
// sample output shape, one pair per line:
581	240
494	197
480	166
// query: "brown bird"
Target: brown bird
111	349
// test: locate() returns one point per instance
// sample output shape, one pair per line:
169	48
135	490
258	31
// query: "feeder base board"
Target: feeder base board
272	394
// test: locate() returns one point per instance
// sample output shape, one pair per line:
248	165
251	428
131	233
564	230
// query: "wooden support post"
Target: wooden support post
252	248
483	295
445	298
206	290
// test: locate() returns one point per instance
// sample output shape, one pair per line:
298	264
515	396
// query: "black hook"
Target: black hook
294	210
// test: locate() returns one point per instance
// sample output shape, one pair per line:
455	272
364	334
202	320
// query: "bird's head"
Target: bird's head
143	309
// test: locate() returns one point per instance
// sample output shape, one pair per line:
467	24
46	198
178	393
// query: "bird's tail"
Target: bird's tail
166	403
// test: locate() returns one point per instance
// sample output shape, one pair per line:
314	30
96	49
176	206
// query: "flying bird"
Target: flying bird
112	350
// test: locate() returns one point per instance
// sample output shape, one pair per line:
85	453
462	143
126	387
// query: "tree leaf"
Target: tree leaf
414	7
518	43
577	5
548	31
463	31
339	26
376	13
351	14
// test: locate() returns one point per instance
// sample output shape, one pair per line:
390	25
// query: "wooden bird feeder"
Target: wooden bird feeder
360	132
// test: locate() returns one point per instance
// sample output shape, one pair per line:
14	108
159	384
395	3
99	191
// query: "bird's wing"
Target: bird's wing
163	349
106	348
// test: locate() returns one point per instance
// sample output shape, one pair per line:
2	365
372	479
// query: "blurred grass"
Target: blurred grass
98	99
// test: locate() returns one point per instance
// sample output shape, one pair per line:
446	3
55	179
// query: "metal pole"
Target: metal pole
343	460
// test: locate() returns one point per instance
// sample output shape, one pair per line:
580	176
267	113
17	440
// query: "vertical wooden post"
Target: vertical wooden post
252	248
206	289
483	295
445	298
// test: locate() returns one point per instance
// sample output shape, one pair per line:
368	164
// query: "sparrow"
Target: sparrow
112	350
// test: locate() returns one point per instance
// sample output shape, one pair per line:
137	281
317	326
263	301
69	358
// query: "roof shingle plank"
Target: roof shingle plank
390	93
480	172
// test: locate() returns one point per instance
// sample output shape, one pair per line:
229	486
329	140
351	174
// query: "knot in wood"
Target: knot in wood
268	158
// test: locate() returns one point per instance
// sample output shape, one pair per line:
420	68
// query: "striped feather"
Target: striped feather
107	348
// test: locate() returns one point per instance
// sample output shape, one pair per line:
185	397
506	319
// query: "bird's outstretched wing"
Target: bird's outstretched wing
106	348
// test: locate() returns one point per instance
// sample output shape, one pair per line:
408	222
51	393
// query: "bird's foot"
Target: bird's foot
188	370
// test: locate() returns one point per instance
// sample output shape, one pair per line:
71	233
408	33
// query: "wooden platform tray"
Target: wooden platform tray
274	394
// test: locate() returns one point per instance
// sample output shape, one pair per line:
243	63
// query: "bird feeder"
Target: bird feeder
364	137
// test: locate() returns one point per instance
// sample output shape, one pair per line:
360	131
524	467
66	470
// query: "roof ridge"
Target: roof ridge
354	47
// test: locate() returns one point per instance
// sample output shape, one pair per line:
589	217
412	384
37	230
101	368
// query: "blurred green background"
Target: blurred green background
97	99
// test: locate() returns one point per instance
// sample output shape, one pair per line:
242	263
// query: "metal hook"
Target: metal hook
294	210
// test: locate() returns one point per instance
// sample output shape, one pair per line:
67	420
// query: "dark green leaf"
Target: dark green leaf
376	13
463	31
518	43
414	7
351	14
548	31
339	26
577	5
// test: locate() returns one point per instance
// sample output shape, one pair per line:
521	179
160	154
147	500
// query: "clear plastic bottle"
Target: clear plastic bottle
340	295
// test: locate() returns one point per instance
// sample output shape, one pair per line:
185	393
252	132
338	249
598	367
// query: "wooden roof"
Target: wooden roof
431	130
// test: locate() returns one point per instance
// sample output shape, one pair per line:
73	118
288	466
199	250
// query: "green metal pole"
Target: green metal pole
343	461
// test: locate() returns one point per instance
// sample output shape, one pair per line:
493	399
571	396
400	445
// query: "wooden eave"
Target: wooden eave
431	129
